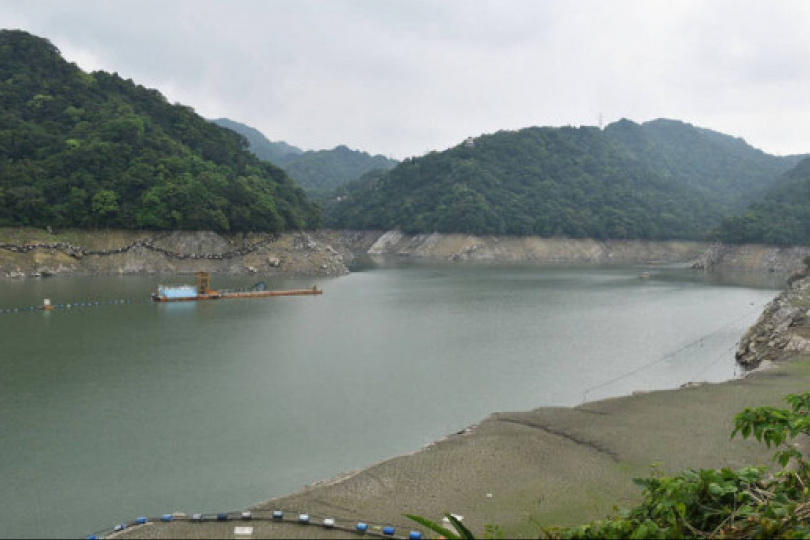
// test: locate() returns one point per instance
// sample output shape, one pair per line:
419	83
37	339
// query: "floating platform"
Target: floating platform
202	291
213	295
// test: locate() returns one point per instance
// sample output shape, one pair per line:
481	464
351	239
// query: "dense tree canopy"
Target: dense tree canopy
724	169
782	217
319	172
92	149
573	182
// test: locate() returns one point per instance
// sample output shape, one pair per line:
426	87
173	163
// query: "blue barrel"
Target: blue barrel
167	517
415	535
222	517
388	531
141	520
362	527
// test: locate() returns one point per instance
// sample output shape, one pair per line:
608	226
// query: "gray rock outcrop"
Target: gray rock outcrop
783	329
37	253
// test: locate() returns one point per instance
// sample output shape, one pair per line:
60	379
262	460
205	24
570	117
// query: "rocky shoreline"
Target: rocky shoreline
752	258
40	253
37	253
783	329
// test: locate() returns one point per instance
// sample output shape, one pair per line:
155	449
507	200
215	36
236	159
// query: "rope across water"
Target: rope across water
669	355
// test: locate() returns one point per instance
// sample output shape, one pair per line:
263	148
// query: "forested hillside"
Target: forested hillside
575	182
275	152
91	149
318	172
725	169
782	217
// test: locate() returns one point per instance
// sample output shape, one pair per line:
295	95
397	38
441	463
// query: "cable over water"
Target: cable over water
669	355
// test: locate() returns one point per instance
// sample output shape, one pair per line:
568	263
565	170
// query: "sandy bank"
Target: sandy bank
556	466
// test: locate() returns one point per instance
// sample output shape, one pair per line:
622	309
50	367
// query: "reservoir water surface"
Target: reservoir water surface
119	410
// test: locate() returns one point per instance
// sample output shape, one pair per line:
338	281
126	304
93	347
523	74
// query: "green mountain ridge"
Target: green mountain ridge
275	152
84	149
92	149
318	172
660	180
726	169
781	217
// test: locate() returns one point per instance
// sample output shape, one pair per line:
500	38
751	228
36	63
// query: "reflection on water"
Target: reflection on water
116	410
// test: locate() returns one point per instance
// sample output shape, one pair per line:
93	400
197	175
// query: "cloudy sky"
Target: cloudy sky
402	77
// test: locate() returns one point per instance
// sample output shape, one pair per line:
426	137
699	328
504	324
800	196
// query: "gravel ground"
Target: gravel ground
550	466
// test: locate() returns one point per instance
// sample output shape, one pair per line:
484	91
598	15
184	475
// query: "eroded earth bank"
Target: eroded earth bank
36	252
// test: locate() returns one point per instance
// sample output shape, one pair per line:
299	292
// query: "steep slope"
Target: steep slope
274	152
782	217
573	182
726	170
91	149
318	172
322	171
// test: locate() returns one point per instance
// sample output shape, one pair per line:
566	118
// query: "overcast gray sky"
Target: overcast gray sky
402	77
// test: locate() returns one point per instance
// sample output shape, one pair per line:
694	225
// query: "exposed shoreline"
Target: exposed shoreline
26	252
552	465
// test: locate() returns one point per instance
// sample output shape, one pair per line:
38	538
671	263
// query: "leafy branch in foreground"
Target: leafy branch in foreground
724	503
778	428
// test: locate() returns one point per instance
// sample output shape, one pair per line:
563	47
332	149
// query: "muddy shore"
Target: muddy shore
554	466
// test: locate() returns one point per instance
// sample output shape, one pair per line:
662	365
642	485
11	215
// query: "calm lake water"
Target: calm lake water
120	410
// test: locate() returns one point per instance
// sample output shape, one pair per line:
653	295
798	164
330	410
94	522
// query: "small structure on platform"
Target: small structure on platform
201	290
